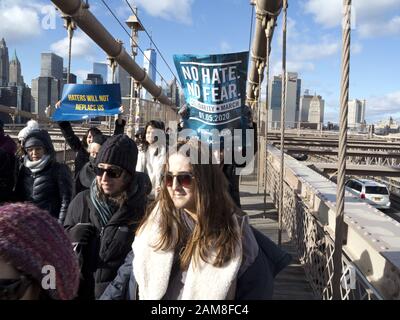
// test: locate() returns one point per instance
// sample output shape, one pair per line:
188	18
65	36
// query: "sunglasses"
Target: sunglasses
14	289
111	172
184	179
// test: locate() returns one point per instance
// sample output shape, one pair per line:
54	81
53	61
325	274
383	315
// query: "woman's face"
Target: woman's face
180	182
89	138
94	149
10	275
150	135
35	153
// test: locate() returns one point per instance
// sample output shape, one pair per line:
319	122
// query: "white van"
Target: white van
374	193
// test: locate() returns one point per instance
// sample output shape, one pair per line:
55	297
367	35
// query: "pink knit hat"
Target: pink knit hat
30	239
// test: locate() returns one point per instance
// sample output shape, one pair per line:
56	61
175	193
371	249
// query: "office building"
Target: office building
149	65
356	113
292	101
4	64
102	69
15	76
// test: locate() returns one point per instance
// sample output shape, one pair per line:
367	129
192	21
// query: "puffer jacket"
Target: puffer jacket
51	188
108	248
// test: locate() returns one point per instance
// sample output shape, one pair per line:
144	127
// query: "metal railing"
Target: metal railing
315	246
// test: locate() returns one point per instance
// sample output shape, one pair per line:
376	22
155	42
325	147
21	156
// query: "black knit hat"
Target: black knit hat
119	150
99	139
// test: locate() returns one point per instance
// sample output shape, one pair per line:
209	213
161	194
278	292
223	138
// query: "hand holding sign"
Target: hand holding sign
82	101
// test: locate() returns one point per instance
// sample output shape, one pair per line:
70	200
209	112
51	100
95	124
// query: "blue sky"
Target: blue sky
219	26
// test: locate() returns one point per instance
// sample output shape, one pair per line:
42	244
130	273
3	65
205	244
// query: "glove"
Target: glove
81	233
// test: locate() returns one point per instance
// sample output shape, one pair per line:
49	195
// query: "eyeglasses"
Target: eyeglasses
14	289
184	179
114	172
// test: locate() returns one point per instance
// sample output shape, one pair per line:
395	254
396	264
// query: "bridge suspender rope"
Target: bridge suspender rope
268	34
344	97
69	24
283	110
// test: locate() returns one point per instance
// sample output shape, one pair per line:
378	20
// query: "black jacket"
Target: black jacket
8	165
50	188
108	248
82	156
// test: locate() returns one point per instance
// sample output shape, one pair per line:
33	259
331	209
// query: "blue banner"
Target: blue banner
214	88
84	101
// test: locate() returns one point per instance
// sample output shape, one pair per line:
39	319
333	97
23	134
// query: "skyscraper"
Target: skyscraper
292	100
356	113
51	66
4	64
15	78
124	80
47	88
316	111
101	68
149	65
305	100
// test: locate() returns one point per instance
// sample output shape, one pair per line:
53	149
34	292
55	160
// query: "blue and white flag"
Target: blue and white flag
84	101
214	88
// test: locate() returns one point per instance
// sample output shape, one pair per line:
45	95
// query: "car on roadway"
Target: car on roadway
372	192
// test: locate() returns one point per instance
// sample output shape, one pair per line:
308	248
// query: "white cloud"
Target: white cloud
391	27
225	46
303	52
384	106
179	10
82	46
292	66
369	17
19	23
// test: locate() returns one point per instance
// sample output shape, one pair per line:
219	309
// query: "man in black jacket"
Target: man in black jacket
102	221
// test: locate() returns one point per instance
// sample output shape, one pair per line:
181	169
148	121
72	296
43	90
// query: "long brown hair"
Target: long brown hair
215	228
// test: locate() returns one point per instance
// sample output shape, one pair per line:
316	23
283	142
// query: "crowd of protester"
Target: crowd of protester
133	221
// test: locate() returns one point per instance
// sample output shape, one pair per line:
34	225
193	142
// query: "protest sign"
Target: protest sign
215	89
84	101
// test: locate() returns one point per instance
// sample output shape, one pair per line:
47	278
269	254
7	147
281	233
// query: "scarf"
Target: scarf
152	268
36	166
103	209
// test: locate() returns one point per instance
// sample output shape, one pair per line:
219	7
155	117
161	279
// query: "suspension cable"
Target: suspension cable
251	25
130	36
69	24
152	42
268	32
283	111
340	194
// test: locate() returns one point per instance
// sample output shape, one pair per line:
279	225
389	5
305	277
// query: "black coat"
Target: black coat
50	189
7	175
108	248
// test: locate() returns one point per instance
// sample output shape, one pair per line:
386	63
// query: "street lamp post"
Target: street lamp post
135	26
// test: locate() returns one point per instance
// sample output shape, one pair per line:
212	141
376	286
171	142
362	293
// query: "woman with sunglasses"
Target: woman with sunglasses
196	243
102	220
36	257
